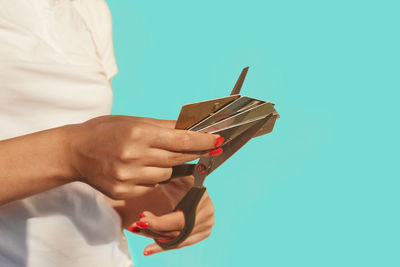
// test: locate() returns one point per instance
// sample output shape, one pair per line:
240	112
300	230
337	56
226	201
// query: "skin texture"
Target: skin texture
125	157
34	163
162	223
168	226
121	156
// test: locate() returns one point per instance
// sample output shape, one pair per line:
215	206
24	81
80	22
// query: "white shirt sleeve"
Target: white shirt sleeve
97	15
106	46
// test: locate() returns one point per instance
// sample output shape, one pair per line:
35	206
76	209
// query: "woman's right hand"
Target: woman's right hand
125	156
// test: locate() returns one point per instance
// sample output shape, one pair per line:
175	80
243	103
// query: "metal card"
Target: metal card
231	133
239	105
268	126
246	116
193	113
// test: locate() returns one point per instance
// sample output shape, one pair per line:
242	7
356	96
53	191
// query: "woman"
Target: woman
71	175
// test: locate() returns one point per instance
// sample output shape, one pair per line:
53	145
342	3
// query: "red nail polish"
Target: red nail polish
143	224
148	252
134	229
216	152
141	215
219	141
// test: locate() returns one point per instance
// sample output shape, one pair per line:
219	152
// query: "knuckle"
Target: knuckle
137	133
119	173
117	191
124	154
128	155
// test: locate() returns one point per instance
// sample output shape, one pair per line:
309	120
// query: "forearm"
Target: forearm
34	163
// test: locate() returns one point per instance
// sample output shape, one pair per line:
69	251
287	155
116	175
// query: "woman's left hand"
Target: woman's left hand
168	226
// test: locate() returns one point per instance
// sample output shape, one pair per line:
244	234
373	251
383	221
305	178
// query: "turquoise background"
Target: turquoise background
323	188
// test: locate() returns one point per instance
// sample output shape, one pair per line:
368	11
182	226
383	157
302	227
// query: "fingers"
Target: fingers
167	236
152	249
150	234
183	141
177	140
192	239
170	139
123	190
166	137
135	173
163	158
174	221
151	175
167	227
159	227
163	237
163	147
170	225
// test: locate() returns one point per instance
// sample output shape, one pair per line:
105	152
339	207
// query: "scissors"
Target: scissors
205	166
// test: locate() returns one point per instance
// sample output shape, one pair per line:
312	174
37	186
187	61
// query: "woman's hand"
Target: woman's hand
167	227
125	157
157	220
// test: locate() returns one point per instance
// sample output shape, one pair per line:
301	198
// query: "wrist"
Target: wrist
66	136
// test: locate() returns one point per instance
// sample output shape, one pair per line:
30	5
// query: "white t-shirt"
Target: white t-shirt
56	62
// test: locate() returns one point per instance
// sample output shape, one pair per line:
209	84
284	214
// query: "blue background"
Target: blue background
323	188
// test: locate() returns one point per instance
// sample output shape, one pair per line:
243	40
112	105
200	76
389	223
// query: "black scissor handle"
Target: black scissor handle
180	171
188	206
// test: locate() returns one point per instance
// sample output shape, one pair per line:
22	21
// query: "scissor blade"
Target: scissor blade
235	145
239	82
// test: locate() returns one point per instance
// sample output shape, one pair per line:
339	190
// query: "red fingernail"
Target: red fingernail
141	215
162	240
216	152
143	224
219	141
148	252
134	229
